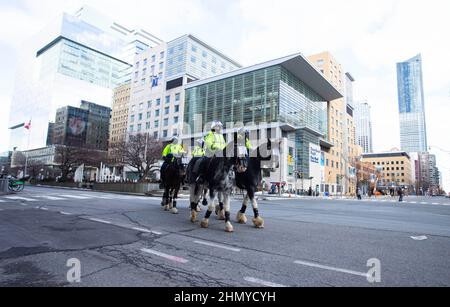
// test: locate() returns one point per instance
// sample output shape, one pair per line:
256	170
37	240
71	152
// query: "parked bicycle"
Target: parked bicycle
16	185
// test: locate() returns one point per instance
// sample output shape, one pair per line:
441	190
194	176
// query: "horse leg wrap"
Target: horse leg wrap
208	214
174	203
243	209
227	217
256	213
194	206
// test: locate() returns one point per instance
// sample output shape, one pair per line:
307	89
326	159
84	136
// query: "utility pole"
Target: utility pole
281	169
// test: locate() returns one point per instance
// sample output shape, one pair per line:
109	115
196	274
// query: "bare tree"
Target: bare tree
68	159
140	152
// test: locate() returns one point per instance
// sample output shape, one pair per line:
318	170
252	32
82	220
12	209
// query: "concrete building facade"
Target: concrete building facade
395	169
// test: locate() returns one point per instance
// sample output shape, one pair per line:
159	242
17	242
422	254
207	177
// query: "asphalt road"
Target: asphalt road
123	240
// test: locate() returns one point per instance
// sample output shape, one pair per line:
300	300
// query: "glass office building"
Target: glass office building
411	102
287	94
188	55
74	58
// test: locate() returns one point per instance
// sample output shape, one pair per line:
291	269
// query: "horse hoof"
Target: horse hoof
166	208
258	222
193	216
205	223
241	218
229	227
174	210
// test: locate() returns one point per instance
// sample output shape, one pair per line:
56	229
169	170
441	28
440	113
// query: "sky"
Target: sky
368	37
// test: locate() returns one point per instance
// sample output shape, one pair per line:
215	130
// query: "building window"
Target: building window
165	134
149	104
204	65
158	101
147	126
177	109
161	55
132	119
153	58
131	128
204	54
167	99
140	116
166	122
177	97
155	135
175	120
171	50
157	113
193	59
161	65
139	128
156	123
194	48
166	110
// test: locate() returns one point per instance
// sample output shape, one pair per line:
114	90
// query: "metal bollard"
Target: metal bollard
4	186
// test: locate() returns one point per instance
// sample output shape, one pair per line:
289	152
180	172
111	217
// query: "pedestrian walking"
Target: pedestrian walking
400	194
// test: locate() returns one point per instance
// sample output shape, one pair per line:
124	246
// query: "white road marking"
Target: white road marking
96	196
2	201
412	202
424	203
51	197
74	196
330	268
436	204
99	221
43	208
263	282
166	256
65	213
218	246
146	230
20	198
419	238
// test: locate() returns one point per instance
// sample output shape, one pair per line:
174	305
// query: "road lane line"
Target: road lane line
424	203
419	238
412	202
165	256
74	196
20	198
2	201
330	268
65	213
218	246
99	221
96	196
263	282
43	208
146	230
436	203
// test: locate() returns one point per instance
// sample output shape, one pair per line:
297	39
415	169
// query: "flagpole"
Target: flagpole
28	148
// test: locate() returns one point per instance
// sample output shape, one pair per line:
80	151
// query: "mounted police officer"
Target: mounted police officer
214	140
172	150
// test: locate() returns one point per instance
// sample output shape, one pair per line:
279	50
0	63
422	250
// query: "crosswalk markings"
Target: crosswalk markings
74	196
50	197
20	198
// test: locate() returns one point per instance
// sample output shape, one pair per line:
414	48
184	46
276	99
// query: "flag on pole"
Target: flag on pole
28	125
25	125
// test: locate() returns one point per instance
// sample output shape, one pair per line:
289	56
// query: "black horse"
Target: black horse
219	178
251	179
174	178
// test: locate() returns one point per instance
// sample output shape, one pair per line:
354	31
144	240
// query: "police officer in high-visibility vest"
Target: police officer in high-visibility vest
172	150
214	140
199	149
245	134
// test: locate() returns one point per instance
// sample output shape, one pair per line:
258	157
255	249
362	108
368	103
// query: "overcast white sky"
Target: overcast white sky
367	36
